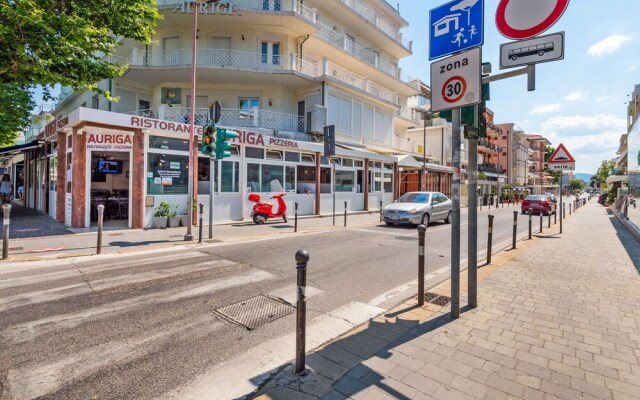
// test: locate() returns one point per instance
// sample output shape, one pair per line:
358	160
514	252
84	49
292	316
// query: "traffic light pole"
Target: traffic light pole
192	146
212	180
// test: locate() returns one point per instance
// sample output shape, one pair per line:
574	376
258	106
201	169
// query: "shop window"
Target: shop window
325	180
347	162
358	163
388	183
306	179
274	155
69	174
291	156
167	174
290	178
254	152
264	177
308	158
345	181
336	160
375	184
388	166
168	143
230	177
69	141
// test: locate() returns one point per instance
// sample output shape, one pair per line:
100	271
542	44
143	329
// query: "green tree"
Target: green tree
68	42
15	110
603	172
576	184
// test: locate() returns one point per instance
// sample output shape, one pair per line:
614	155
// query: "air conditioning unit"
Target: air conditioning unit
316	118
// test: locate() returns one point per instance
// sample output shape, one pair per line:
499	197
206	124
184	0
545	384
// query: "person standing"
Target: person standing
6	188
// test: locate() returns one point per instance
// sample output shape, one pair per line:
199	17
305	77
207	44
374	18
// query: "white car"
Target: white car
418	208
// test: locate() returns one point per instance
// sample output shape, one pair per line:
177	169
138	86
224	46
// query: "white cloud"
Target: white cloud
633	67
546	108
608	45
601	99
574	96
586	123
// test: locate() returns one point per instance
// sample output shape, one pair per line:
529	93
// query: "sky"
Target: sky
579	101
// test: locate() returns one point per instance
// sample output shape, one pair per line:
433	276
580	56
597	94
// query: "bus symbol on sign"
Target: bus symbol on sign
532	51
539	49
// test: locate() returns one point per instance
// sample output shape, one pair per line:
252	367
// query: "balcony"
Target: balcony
411	146
370	15
491	168
261	10
343	75
485	146
289	126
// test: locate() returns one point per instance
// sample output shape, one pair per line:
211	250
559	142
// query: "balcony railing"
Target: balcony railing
410	146
370	15
492	168
243	118
343	75
410	114
342	42
295	6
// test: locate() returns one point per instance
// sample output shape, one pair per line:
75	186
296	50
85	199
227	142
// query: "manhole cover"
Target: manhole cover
256	311
437	299
407	237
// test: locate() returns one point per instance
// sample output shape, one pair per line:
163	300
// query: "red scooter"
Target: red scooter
263	211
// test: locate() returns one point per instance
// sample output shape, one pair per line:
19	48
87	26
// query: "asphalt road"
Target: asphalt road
142	326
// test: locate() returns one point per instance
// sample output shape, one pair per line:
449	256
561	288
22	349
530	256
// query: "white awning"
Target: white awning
408	161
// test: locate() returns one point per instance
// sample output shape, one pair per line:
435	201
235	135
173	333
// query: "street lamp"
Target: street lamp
499	170
192	148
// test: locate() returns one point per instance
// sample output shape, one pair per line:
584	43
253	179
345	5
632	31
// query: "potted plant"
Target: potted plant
161	215
174	219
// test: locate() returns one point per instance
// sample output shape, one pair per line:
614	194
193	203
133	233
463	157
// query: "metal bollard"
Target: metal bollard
6	209
200	223
502	202
302	258
489	238
569	208
421	230
515	229
345	214
100	219
295	217
549	219
555	216
540	221
380	210
564	211
530	220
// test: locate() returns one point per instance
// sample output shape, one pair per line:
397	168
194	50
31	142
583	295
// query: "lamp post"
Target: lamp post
499	171
192	148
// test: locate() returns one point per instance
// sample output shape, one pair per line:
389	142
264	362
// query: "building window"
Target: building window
345	181
308	158
247	103
388	183
270	53
274	155
167	174
95	102
291	156
53	174
347	162
254	152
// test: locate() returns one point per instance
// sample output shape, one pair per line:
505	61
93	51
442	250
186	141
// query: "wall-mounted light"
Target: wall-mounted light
270	101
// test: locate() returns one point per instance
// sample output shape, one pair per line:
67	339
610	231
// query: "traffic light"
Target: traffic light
222	136
208	140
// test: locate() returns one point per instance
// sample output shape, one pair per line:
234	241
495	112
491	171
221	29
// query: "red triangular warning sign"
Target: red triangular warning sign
561	155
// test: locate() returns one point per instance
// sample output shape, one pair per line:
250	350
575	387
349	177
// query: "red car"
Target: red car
538	204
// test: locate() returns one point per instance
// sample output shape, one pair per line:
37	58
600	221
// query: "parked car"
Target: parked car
603	198
551	196
538	204
418	208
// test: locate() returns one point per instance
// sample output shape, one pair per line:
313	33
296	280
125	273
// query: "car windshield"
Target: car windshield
535	198
414	198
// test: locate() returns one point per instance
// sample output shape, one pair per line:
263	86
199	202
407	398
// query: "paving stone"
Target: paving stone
598	391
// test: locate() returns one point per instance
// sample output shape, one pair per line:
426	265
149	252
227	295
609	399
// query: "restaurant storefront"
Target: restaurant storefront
131	164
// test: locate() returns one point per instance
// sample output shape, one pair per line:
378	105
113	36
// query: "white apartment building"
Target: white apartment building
281	69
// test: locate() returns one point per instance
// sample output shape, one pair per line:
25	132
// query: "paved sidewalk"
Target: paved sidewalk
558	318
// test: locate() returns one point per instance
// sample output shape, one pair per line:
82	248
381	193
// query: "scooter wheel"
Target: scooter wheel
284	217
259	219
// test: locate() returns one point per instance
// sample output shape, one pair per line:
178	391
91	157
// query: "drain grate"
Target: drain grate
256	311
437	299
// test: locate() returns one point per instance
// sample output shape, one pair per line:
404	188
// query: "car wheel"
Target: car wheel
448	219
425	220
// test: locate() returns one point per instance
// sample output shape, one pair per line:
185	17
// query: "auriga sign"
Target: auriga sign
109	142
217	8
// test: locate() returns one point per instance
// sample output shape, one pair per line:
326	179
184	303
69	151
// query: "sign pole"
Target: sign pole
455	215
472	269
212	181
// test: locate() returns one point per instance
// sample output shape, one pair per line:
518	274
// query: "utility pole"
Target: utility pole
455	215
472	171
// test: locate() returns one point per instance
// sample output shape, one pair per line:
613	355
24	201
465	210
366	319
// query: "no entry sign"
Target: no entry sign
455	81
523	19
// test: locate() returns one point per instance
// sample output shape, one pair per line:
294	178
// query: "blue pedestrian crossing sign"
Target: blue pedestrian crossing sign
455	26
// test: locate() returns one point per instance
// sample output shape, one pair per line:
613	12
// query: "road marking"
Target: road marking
44	296
30	381
241	375
32	329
